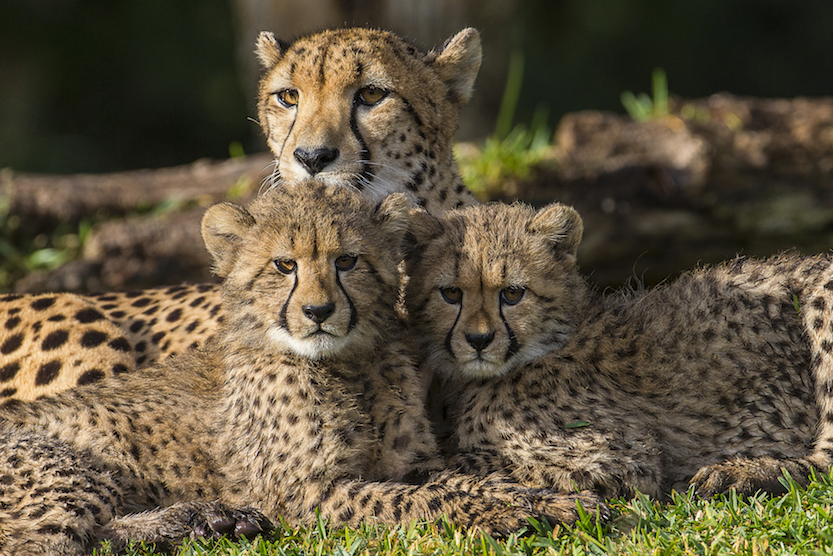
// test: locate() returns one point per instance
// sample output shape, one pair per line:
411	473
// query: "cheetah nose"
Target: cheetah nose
480	341
319	313
315	160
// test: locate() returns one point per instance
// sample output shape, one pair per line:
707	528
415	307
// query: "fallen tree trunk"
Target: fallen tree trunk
72	197
718	177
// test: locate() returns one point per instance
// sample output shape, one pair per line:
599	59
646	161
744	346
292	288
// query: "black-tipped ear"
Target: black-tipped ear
561	225
269	50
458	62
223	228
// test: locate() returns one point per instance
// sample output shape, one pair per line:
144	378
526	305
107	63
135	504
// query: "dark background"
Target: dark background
105	86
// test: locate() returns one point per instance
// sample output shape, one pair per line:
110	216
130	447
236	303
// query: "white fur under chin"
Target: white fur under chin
483	368
312	347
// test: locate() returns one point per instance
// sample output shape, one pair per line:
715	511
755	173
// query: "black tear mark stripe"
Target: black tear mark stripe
448	336
354	318
364	176
285	308
286	140
514	345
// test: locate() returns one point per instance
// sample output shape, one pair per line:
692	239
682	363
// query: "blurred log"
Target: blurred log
72	197
718	177
141	250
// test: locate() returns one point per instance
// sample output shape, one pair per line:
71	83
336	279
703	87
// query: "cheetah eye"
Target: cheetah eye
452	295
288	97
512	294
285	266
346	262
370	95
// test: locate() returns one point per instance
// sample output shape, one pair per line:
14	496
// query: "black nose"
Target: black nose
480	341
315	160
319	313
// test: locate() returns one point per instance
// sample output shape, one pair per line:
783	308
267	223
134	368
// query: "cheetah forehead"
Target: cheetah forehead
493	245
348	58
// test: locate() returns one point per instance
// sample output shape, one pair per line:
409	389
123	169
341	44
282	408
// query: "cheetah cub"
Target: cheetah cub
721	378
306	399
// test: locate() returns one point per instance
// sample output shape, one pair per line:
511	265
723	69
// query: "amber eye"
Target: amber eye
288	97
512	294
346	262
370	95
452	295
285	266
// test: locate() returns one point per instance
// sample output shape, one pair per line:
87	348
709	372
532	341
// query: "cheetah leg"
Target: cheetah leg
818	318
560	466
167	527
747	476
51	501
475	503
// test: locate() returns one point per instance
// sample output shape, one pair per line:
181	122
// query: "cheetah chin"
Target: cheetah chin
319	344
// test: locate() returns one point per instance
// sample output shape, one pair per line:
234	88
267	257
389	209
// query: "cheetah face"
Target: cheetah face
493	287
309	269
362	108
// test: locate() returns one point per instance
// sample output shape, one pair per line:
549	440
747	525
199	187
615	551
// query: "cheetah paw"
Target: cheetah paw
168	526
744	476
218	519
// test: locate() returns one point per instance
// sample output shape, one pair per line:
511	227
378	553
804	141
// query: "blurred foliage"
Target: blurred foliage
642	107
108	86
24	248
512	151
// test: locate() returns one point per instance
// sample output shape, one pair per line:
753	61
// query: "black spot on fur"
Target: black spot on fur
8	372
11	344
93	375
55	340
88	315
48	372
93	338
43	303
120	344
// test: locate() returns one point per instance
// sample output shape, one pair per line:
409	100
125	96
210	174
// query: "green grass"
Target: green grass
642	107
512	151
25	249
800	522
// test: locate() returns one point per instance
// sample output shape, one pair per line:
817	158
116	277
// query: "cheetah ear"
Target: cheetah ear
561	225
223	228
458	62
422	227
391	214
269	49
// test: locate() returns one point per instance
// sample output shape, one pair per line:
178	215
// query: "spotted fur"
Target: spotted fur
400	142
307	398
721	379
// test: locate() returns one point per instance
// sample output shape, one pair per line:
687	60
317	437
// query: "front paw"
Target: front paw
167	527
557	508
215	519
560	507
744	476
